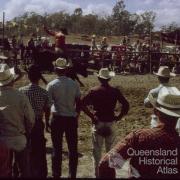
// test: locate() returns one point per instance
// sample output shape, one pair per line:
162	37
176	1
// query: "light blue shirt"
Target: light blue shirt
154	93
63	92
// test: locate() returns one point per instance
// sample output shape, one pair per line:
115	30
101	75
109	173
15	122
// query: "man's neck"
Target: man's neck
35	83
105	84
167	126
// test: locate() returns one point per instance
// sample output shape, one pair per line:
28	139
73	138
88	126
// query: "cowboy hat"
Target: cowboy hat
164	71
167	102
3	57
6	74
61	63
104	73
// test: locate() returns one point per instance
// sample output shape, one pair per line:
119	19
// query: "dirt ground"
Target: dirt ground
135	88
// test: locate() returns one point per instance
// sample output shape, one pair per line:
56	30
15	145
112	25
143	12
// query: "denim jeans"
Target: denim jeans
59	126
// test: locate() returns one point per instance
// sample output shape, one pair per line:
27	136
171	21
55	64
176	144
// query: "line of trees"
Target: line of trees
120	22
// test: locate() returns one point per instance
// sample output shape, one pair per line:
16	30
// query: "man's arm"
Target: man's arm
84	105
116	158
125	106
47	115
52	33
152	93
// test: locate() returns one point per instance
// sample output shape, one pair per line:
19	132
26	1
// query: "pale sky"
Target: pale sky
167	11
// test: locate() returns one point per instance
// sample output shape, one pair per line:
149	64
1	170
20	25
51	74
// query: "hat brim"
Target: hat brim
10	79
3	57
170	75
103	77
111	75
174	112
65	67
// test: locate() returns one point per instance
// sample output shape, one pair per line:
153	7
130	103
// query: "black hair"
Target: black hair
163	79
34	73
64	30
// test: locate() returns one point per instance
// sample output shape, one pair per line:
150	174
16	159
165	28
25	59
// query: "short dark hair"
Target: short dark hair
163	79
34	73
64	30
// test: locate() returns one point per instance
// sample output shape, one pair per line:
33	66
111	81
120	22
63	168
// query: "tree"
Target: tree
78	12
145	22
117	17
171	27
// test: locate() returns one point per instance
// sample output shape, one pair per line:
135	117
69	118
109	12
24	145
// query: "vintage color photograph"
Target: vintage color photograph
90	89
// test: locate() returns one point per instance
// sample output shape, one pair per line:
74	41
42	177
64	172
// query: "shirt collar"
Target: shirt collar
6	88
165	84
62	77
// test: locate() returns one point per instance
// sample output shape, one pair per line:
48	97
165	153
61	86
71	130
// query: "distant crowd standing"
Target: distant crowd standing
127	57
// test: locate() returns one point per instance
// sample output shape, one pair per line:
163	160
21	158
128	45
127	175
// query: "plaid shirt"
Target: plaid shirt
38	97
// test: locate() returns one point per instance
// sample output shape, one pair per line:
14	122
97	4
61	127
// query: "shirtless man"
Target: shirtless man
60	45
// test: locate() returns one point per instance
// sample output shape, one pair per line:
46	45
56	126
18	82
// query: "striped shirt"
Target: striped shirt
38	98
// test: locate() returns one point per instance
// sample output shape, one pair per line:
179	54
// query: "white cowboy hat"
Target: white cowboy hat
104	73
6	74
61	63
3	57
168	101
164	71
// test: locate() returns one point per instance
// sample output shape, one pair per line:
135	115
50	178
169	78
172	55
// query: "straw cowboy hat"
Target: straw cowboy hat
6	74
3	57
62	63
168	101
104	73
164	72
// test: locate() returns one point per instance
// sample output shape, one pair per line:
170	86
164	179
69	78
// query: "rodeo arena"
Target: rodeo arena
33	114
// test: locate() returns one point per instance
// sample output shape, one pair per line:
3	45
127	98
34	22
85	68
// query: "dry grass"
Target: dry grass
135	89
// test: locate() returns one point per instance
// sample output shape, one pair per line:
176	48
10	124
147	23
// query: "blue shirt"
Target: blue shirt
63	92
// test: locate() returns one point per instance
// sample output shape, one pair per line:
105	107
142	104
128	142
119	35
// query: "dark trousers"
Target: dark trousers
59	126
38	160
21	166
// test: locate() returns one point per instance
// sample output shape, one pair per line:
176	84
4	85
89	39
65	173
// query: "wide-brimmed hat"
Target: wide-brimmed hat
164	71
6	74
61	63
167	102
3	57
104	73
